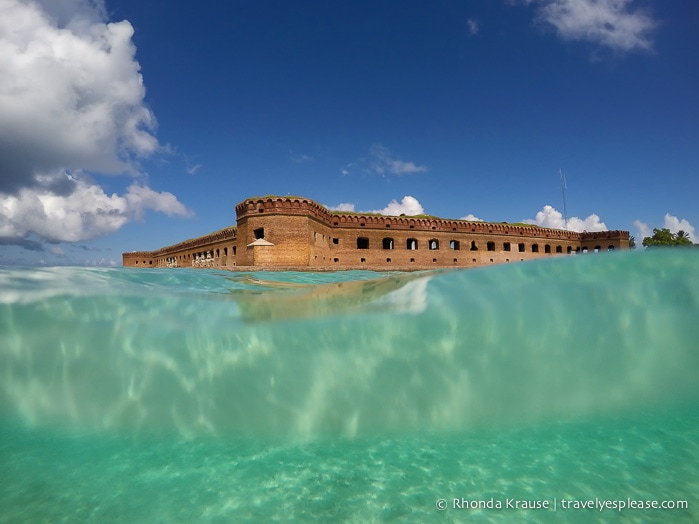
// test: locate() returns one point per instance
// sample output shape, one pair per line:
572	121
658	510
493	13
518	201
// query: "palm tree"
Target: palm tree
682	235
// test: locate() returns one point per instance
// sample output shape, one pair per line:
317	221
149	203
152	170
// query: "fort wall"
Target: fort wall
298	233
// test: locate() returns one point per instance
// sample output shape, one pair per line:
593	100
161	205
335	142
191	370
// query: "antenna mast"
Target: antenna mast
563	190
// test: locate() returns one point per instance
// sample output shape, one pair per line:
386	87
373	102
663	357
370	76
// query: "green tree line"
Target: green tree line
663	237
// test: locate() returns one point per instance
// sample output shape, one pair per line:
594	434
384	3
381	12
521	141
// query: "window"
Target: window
547	249
569	250
474	247
225	251
336	241
506	246
336	260
362	243
455	245
535	248
520	247
387	243
362	259
434	244
559	249
411	244
259	233
234	250
610	248
491	246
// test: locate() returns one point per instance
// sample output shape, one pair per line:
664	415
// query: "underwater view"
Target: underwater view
559	390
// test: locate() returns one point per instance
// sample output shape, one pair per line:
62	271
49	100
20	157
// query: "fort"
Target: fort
295	233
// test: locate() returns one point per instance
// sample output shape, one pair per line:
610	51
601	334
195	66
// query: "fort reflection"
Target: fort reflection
285	301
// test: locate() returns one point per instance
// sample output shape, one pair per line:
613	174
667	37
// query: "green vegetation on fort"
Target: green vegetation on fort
265	197
663	237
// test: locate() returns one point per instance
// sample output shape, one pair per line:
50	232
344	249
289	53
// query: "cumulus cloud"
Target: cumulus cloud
674	224
407	206
71	96
670	222
471	218
85	213
642	231
71	101
552	218
613	24
382	162
345	206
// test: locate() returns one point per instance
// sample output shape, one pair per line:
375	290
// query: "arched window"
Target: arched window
535	248
598	249
388	243
455	245
474	247
362	243
569	250
491	246
559	249
411	244
434	244
547	249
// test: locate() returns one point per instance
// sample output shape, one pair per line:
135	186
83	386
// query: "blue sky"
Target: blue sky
130	125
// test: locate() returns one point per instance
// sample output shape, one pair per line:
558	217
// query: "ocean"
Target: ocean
559	390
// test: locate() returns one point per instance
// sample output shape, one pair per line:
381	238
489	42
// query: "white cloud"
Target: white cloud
71	100
71	96
608	23
102	262
642	231
85	213
670	222
382	162
471	218
301	158
552	218
674	224
192	170
473	26
345	206
407	206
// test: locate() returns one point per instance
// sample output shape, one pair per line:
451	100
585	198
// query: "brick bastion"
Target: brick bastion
294	233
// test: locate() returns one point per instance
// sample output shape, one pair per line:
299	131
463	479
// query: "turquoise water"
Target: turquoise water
133	395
